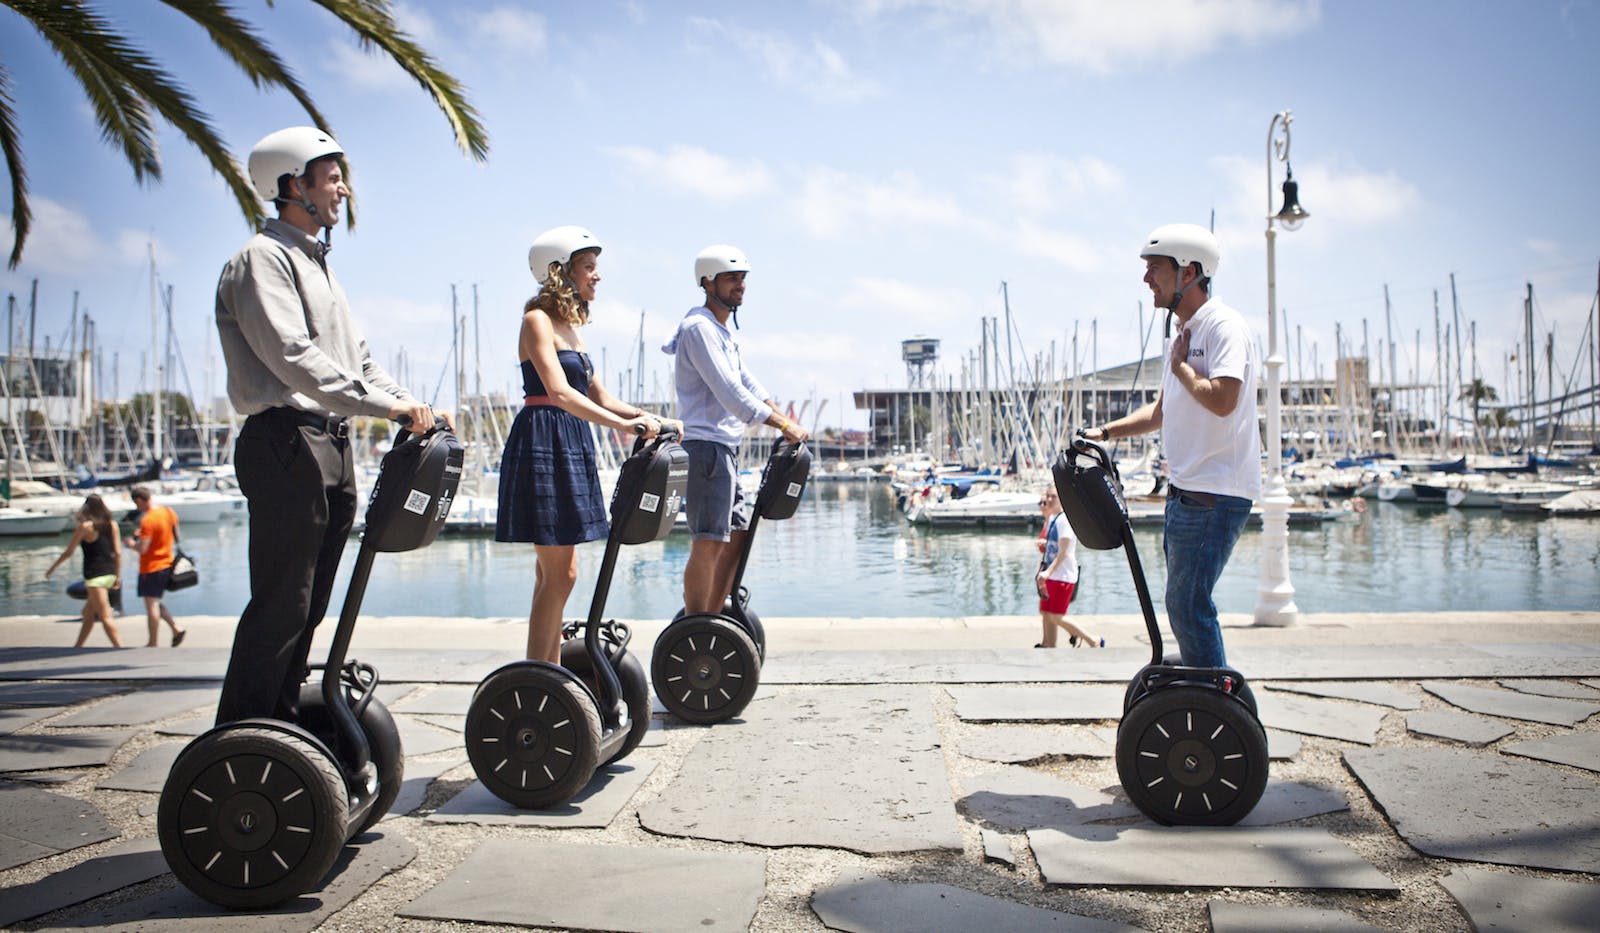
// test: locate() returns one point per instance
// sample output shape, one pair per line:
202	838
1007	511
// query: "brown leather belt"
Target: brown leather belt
539	400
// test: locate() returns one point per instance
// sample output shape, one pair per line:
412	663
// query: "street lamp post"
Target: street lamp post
1275	595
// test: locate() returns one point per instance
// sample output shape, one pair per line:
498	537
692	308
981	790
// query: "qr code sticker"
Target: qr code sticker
649	502
417	501
794	490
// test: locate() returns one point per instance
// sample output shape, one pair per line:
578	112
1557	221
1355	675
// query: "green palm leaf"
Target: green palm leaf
11	147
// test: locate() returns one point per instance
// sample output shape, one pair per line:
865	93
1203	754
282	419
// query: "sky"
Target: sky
892	168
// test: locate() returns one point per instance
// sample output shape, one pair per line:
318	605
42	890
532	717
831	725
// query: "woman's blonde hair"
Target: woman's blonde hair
558	298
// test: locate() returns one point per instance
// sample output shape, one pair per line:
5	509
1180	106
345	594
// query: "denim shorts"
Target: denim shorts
714	505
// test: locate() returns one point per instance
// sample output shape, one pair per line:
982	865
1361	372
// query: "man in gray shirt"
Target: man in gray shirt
298	368
717	398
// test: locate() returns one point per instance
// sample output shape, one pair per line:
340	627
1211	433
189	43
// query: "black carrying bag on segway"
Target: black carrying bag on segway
783	481
1190	750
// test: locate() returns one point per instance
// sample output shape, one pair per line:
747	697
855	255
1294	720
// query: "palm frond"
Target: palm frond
375	26
11	146
88	45
123	118
246	49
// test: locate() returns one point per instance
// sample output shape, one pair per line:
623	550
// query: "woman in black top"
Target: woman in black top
96	536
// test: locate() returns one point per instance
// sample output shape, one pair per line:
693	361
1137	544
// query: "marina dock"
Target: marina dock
1431	771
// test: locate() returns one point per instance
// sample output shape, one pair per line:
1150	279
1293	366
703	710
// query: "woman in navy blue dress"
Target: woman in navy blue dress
549	486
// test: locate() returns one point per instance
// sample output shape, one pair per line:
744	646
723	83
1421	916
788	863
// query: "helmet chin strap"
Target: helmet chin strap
733	310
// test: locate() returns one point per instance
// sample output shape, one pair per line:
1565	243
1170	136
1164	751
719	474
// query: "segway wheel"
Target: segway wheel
250	817
383	742
533	735
635	690
1192	756
705	669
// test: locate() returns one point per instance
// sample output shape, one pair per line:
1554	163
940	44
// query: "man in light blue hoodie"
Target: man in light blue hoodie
717	399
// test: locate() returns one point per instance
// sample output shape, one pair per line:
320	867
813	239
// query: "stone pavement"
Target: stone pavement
1430	771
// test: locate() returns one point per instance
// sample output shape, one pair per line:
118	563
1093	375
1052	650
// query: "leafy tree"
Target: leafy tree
123	85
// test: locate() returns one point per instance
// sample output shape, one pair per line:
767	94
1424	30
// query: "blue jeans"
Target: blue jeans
1198	540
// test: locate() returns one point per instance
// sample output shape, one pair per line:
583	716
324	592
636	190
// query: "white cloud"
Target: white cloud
697	171
372	71
831	203
63	241
816	69
1101	37
509	29
885	298
1068	249
1038	182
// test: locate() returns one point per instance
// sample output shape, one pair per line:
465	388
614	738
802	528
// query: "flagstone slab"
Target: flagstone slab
856	768
1271	918
599	887
45	777
1480	806
444	699
1363	691
1054	703
54	693
189	725
1018	799
1021	744
863	903
15	720
1234	857
1512	704
419	775
419	738
997	848
454	722
1498	900
1287	801
1332	719
142	707
1578	749
1456	726
126	863
595	806
48	752
1550	687
35	823
147	771
175	910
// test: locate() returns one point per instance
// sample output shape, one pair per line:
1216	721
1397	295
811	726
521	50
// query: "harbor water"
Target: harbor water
848	553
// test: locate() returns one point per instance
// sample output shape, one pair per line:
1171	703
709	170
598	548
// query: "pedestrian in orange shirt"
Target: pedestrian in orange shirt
156	544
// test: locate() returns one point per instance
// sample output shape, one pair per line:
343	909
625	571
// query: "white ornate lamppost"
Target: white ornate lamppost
1275	594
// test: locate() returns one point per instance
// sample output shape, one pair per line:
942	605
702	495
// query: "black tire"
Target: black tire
705	669
251	817
741	612
533	735
635	690
383	741
1191	755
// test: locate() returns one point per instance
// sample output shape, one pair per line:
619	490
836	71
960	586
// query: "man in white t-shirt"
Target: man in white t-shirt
1207	416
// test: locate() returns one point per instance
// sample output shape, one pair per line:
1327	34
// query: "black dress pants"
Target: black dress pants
299	481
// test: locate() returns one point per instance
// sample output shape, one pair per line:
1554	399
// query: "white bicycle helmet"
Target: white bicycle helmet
558	245
715	260
1185	243
287	152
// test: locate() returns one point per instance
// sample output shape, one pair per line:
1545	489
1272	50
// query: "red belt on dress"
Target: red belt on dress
538	400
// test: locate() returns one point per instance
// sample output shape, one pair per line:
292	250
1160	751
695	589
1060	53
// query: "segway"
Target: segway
706	666
255	812
1190	748
535	731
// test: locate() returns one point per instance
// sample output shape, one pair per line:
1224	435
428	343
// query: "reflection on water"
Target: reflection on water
847	553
